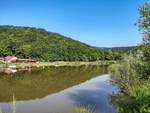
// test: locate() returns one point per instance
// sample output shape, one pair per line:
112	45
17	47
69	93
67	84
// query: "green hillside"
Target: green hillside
42	45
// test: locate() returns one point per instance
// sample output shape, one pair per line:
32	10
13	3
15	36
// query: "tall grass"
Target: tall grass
129	76
13	106
84	110
56	63
1	110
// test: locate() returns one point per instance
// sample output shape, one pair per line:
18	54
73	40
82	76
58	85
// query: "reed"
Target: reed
13	106
84	110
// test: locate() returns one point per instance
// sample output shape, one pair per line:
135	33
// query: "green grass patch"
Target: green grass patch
57	63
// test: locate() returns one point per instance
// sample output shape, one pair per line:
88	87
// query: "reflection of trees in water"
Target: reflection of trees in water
8	70
15	70
42	82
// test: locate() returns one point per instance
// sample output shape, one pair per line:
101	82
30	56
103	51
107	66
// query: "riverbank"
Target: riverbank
56	63
132	76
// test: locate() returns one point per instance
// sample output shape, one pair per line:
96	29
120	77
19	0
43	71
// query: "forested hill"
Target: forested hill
42	45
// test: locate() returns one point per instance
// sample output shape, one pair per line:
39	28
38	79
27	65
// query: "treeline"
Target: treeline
117	53
121	49
39	44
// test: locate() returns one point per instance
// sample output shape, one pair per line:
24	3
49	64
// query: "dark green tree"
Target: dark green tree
144	26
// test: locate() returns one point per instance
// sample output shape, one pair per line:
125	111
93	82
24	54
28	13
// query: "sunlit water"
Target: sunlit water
58	90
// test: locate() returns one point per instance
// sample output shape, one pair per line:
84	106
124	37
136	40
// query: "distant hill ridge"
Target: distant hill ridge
120	49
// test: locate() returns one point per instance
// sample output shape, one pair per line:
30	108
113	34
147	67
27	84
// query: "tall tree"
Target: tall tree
144	25
144	21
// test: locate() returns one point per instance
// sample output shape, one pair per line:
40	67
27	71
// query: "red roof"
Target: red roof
15	59
25	60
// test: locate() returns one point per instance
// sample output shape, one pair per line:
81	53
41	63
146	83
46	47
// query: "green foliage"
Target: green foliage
133	73
110	55
116	53
144	21
121	49
133	78
134	104
125	72
42	45
144	25
146	52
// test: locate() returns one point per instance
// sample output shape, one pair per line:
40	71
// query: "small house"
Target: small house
25	60
10	59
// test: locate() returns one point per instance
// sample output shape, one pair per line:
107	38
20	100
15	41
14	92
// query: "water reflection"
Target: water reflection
15	70
8	70
42	82
96	93
58	90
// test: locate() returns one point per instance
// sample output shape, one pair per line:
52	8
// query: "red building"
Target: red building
12	59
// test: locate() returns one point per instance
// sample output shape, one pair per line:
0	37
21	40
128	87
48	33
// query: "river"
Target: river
57	89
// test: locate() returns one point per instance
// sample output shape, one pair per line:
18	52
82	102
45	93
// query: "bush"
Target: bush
131	75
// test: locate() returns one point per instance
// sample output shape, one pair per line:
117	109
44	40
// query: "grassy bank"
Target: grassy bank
57	63
132	75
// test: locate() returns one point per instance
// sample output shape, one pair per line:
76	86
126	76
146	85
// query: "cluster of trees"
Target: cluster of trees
39	44
144	26
121	49
117	53
133	73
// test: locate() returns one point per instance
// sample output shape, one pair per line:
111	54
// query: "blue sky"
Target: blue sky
103	23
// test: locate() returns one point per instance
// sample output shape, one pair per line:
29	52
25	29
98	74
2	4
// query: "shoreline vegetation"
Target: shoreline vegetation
56	63
83	109
132	73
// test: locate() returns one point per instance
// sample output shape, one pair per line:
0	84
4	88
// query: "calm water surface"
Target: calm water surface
57	89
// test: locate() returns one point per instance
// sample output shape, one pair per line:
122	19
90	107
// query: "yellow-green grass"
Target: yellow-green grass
56	63
84	110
